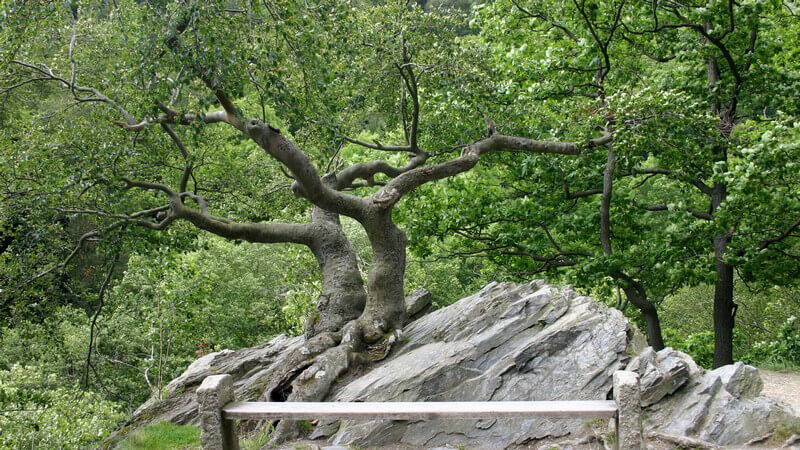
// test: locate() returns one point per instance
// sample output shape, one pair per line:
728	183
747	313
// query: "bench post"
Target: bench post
629	410
216	433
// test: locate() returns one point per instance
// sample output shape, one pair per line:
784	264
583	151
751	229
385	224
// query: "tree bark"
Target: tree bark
342	298
635	293
385	307
724	306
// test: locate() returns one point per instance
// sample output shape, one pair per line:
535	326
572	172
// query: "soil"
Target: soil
783	386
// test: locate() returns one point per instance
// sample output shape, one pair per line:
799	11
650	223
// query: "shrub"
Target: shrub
36	411
784	350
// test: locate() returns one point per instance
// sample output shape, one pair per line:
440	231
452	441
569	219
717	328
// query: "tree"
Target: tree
192	58
683	89
733	43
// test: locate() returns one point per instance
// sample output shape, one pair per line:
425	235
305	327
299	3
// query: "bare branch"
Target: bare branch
406	182
544	17
248	231
308	183
187	170
46	74
100	304
378	146
176	119
694	181
573	195
23	83
368	170
152	186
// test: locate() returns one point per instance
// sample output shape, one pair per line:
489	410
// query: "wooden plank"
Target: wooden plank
418	410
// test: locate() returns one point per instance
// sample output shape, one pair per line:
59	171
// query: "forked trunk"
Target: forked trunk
347	318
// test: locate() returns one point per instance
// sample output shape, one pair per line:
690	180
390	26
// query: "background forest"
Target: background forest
669	186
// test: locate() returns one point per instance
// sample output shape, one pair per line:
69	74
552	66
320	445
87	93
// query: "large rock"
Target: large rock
721	406
662	373
507	342
418	301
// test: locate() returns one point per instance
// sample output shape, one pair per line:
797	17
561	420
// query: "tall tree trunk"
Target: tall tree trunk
724	306
342	298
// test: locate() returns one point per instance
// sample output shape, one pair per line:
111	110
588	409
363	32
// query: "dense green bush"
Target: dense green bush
784	350
38	411
168	308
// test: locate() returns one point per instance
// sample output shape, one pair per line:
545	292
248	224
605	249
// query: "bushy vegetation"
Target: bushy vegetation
39	410
767	330
167	309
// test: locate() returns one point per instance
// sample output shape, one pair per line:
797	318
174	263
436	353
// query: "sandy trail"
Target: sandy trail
784	386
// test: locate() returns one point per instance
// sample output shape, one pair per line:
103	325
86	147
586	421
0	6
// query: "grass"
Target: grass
784	431
258	439
164	436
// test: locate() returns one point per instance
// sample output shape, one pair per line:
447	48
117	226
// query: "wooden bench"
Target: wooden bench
218	411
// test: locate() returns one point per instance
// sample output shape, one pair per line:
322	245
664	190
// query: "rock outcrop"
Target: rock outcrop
507	342
722	406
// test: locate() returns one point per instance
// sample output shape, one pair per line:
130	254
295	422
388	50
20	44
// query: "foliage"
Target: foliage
38	410
763	337
171	307
784	350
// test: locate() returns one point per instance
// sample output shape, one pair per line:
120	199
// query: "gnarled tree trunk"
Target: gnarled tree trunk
342	298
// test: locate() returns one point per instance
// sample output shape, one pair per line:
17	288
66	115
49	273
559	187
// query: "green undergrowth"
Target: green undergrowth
164	436
169	436
257	439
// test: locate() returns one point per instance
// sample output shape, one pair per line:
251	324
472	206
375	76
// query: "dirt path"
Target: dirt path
784	386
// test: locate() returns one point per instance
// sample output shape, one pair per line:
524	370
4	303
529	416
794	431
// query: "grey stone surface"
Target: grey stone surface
507	342
720	406
629	410
740	380
214	393
418	301
661	373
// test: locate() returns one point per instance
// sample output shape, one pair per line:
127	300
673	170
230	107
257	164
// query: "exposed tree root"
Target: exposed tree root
682	440
759	440
312	378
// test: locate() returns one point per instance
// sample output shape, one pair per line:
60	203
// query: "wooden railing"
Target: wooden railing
218	411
